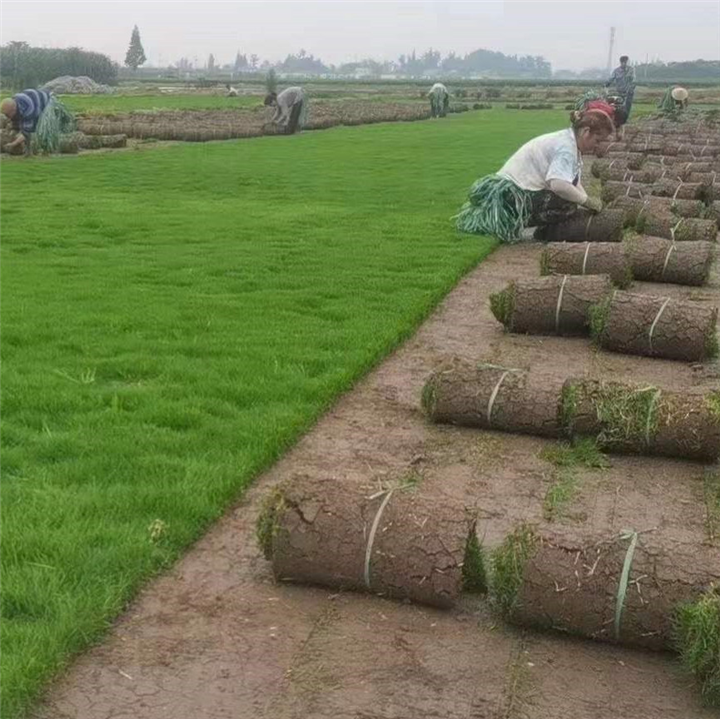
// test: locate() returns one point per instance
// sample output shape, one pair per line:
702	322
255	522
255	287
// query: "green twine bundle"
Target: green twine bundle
589	96
55	120
667	105
496	206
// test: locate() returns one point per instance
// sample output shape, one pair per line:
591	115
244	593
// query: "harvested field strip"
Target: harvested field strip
227	125
154	360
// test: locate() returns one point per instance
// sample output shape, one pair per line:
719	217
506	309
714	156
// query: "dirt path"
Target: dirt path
217	638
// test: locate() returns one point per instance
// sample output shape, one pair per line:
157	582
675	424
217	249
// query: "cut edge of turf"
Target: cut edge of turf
267	524
711	498
697	628
508	566
502	305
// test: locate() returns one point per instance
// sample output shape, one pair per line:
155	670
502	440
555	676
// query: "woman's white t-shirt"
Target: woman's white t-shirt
554	156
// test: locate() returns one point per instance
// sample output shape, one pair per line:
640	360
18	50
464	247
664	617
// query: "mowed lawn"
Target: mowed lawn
173	319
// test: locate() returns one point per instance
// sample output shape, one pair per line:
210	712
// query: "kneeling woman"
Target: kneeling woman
540	184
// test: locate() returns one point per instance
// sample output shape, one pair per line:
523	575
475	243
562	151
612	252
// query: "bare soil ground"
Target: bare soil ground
217	638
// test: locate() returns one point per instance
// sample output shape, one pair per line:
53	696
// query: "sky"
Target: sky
571	35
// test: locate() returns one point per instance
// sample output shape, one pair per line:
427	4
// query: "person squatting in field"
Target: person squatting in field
439	100
38	118
24	111
540	184
290	108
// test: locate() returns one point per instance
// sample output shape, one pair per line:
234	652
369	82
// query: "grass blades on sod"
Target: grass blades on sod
174	319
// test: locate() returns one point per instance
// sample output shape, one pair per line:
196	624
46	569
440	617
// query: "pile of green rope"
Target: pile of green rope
55	120
667	105
496	207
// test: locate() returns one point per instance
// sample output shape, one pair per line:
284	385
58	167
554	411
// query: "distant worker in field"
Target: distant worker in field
439	100
622	82
540	184
230	91
36	113
674	100
290	108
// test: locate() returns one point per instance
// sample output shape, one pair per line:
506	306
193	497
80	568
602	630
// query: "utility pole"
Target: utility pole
610	50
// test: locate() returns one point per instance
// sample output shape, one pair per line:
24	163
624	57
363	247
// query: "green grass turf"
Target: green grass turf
173	320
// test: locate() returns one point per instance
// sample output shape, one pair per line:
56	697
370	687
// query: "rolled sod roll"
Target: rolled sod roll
557	305
678	190
654	326
612	190
705	150
491	397
626	588
709	179
713	212
634	160
655	259
603	167
646	144
679	229
68	146
636	208
645	175
635	419
589	258
396	543
604	226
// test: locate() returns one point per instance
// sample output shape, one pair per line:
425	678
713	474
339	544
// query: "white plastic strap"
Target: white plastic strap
587	250
655	321
612	162
667	257
624	578
491	401
373	532
648	420
587	226
677	189
559	303
674	229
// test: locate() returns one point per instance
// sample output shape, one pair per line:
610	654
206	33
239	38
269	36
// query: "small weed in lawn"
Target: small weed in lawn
473	570
581	452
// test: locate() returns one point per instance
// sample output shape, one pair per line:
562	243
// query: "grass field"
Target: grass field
174	319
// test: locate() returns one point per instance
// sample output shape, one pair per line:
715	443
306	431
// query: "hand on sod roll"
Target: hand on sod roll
593	204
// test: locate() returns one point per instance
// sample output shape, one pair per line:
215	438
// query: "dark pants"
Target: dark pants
547	208
292	125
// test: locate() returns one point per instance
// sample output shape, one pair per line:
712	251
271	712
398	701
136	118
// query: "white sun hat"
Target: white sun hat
680	94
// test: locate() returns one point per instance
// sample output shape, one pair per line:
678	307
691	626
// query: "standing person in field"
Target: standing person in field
290	108
540	184
622	82
36	113
439	100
